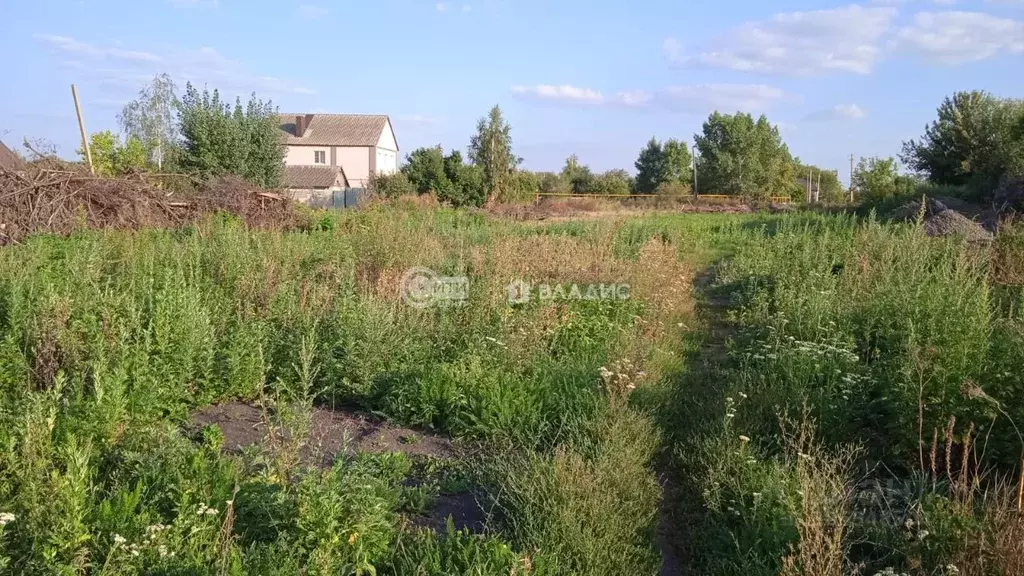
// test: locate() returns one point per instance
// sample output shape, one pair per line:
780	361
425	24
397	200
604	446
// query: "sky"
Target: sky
595	78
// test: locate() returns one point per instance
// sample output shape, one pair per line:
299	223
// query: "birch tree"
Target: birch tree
151	118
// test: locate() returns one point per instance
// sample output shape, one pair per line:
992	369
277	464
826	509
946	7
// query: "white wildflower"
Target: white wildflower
6	518
118	539
744	438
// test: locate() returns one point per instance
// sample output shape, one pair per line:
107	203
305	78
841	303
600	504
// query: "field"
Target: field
778	394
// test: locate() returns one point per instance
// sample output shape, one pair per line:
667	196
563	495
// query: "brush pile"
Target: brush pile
43	200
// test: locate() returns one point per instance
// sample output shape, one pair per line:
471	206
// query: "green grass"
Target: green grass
108	340
798	424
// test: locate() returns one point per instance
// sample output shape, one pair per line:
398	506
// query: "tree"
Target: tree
425	168
491	149
973	140
466	185
220	140
110	158
876	178
151	118
615	182
741	156
650	167
677	166
101	146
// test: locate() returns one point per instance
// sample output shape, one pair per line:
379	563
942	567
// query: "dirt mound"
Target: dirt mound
940	220
332	432
62	201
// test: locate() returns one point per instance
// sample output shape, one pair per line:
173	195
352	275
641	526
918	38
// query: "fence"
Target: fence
773	199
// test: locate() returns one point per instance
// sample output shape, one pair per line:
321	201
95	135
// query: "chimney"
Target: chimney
300	125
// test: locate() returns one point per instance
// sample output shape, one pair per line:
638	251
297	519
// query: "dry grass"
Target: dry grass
823	515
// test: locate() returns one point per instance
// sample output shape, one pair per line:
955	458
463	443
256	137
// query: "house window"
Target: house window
319	157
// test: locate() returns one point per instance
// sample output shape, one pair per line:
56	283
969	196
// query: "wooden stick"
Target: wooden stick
81	128
1020	488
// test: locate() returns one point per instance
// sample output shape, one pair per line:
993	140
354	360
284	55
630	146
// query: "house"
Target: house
315	185
332	150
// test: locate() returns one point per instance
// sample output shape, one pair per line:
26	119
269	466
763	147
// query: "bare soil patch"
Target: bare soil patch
332	432
463	508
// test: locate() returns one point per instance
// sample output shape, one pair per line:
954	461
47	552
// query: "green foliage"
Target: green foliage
586	511
743	157
974	141
876	178
425	168
110	158
151	119
391	185
832	190
491	150
466	186
219	139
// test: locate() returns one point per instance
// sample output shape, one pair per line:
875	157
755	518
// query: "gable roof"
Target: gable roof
306	177
9	160
336	129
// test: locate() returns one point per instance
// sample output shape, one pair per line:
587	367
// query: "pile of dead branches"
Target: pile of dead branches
62	201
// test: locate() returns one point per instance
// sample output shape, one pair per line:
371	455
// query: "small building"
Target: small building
316	185
356	146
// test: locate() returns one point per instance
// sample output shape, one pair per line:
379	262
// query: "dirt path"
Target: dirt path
675	525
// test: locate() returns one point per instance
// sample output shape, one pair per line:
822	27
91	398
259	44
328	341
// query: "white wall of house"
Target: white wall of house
306	155
387	161
387	151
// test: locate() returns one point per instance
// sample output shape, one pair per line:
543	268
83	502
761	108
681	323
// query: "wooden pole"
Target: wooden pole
817	194
851	178
81	128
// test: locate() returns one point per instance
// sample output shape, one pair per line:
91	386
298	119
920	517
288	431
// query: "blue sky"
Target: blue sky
596	78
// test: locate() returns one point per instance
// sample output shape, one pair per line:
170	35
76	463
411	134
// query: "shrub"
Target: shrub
390	185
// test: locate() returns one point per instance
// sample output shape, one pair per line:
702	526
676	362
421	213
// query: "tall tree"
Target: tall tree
677	166
650	167
741	156
491	149
151	118
971	140
219	139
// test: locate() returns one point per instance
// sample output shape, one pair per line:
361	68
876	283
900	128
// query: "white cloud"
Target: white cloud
312	11
72	46
672	48
561	93
697	99
441	6
959	37
837	112
119	71
420	119
801	43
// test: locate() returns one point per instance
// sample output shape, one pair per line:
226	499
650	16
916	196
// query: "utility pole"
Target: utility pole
817	193
851	178
81	128
693	158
